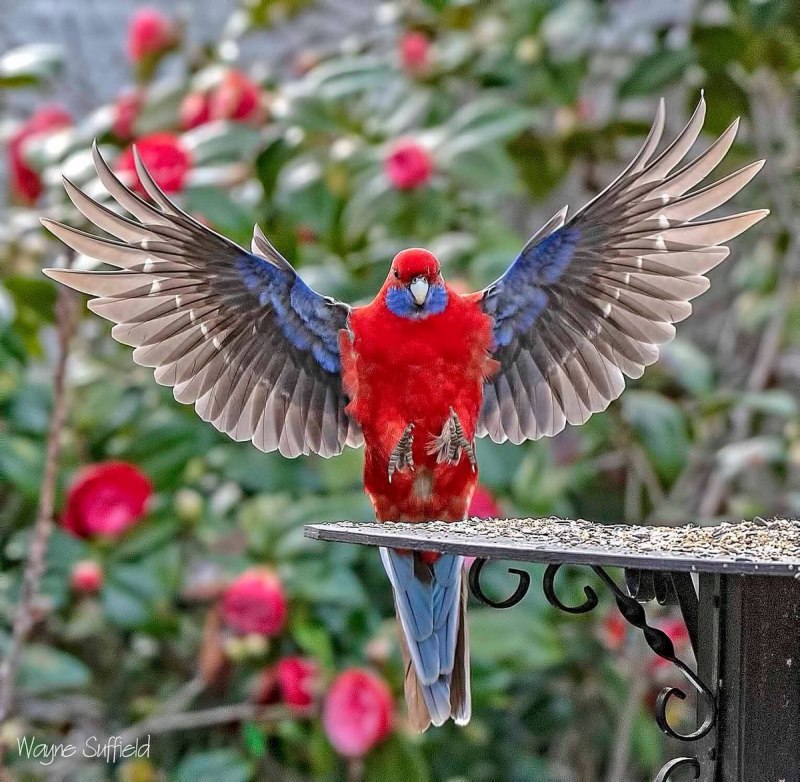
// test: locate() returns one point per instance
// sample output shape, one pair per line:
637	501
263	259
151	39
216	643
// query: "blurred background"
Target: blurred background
180	600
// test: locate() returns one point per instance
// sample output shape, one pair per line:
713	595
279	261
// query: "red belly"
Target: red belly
410	372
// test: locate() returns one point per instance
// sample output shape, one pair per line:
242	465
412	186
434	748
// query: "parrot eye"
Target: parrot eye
397	274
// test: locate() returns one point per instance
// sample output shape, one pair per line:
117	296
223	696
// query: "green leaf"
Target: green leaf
661	428
220	209
647	742
45	670
304	196
312	637
164	443
220	765
313	581
29	411
270	162
147	538
484	168
221	142
161	109
484	122
396	760
541	165
125	608
21	463
134	591
655	72
772	402
338	79
30	64
253	739
525	641
687	365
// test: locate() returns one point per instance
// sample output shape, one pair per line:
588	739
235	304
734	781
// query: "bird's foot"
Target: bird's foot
402	456
451	444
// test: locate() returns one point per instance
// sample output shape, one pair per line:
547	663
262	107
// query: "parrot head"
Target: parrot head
415	288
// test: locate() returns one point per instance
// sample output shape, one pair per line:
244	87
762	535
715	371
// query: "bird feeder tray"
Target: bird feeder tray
737	587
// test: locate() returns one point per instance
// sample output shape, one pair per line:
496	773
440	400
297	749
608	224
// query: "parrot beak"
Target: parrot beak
419	290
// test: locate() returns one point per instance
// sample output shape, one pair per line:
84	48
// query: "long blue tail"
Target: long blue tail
430	608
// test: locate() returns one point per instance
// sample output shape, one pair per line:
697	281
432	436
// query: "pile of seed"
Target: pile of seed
758	541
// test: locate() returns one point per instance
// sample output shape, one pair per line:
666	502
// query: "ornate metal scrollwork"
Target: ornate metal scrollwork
677	763
475	586
642	586
657	640
549	586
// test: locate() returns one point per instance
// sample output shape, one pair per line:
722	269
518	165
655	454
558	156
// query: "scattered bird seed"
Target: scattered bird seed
758	541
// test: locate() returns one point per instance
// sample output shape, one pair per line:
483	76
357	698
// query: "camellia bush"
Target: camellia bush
156	584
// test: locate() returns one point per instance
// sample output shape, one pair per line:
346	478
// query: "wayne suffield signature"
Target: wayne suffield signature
109	750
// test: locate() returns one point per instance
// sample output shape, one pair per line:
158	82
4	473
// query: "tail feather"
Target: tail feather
431	602
460	691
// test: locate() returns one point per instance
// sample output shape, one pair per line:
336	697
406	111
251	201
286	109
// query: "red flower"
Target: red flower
255	603
297	681
150	33
25	182
195	110
236	97
358	712
167	160
483	505
415	52
106	499
86	576
613	631
126	110
408	165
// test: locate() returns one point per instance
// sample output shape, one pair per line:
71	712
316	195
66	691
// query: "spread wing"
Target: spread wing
236	333
588	301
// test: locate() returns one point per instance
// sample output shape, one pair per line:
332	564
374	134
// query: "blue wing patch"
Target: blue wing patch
303	315
524	297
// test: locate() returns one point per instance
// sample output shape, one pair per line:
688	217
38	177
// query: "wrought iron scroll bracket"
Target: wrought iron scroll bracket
642	587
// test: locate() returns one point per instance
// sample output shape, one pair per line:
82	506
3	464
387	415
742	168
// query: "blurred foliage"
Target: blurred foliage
522	105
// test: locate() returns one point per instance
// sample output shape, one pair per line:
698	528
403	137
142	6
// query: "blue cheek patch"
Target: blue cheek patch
436	301
401	303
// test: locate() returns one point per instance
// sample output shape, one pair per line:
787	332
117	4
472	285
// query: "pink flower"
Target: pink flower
195	110
236	98
585	109
86	576
408	165
483	505
126	110
106	500
415	52
358	712
306	234
149	33
298	678
26	185
255	603
164	156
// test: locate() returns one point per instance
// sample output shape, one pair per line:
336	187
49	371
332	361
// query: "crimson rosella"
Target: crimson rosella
421	371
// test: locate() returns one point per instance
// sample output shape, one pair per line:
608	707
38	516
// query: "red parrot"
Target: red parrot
421	371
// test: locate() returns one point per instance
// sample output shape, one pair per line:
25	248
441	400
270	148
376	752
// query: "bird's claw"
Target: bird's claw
402	456
451	444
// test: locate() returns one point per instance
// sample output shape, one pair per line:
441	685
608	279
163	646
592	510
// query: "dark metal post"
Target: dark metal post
758	729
